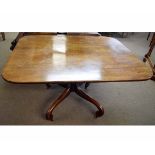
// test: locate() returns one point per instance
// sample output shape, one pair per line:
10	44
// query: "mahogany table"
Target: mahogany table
72	60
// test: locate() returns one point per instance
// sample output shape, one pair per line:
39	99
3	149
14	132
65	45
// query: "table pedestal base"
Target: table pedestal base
73	87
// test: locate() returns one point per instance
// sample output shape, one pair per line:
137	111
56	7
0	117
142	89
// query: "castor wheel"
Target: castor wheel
49	116
99	113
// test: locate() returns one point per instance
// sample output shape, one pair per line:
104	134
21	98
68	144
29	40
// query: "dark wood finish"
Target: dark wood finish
3	35
73	87
147	56
100	111
49	115
152	40
87	85
148	35
14	42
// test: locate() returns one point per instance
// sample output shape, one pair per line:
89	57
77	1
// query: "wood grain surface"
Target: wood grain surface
62	58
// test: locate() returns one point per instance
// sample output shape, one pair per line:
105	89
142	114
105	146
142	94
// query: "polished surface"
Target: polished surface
42	59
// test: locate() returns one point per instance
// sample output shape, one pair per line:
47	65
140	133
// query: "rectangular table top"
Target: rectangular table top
62	58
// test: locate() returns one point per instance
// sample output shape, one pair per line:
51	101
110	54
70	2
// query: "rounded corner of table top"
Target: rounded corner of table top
150	73
5	78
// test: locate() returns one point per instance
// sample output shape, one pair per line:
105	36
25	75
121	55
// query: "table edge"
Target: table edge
90	81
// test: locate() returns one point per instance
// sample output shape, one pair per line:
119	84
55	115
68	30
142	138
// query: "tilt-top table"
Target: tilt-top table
72	60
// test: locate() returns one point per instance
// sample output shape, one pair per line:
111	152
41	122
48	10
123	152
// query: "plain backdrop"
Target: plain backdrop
77	16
